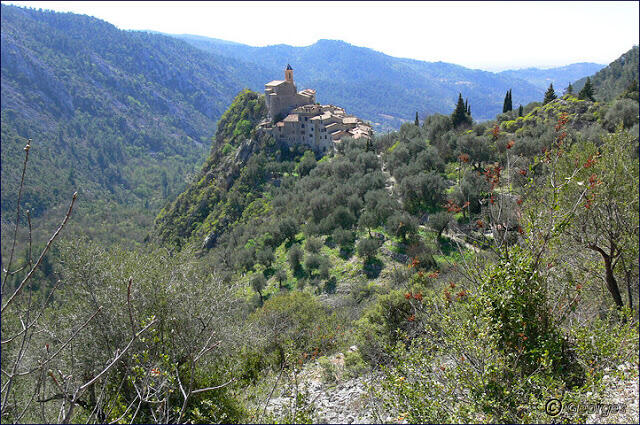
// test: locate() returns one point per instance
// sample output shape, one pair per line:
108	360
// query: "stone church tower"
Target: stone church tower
282	96
288	74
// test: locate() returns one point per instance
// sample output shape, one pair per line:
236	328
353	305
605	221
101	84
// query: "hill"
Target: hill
122	117
612	81
560	76
380	88
386	90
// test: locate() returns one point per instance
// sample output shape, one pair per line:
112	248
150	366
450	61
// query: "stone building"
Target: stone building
296	119
282	96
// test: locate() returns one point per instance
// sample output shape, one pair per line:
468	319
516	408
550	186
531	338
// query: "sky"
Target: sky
492	36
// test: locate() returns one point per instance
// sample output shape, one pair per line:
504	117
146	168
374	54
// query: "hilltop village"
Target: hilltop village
296	119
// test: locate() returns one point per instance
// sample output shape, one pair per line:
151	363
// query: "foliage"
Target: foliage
293	325
586	93
614	79
549	95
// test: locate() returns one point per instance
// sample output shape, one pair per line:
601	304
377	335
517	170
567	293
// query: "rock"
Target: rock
353	348
210	241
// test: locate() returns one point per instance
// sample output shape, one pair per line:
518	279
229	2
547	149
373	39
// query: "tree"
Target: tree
307	163
258	283
459	116
295	256
367	248
265	256
281	276
570	89
606	222
594	215
402	225
313	245
549	95
312	262
417	122
631	92
288	228
520	111
586	93
507	106
439	221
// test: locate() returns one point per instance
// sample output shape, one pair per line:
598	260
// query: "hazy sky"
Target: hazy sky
484	35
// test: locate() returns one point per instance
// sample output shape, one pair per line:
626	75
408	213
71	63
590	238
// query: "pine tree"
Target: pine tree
570	89
549	95
587	91
459	115
520	111
469	110
417	121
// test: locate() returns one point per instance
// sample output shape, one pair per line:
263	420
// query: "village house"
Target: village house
296	119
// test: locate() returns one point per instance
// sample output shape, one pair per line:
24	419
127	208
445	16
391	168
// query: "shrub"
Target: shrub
295	257
313	245
367	248
294	323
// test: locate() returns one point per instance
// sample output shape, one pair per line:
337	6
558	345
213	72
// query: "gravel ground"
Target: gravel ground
622	395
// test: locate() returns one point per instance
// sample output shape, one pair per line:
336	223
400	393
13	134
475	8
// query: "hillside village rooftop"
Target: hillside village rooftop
296	119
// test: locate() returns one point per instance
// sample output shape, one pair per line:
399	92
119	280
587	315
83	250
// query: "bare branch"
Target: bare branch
44	252
83	387
15	231
201	390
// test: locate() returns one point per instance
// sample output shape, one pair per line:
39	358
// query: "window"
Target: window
306	119
302	125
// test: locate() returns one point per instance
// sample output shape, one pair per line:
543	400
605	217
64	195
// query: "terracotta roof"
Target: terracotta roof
274	83
291	118
350	120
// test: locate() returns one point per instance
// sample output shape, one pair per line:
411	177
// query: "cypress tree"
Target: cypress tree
520	111
570	89
507	105
549	95
469	110
587	91
417	121
459	115
510	101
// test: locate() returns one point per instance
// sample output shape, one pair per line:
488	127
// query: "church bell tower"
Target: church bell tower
288	74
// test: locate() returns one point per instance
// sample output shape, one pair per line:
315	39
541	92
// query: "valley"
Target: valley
377	240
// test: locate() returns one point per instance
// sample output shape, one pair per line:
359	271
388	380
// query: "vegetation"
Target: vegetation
613	80
475	269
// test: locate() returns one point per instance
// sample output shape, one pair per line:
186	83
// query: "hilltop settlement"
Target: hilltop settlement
296	119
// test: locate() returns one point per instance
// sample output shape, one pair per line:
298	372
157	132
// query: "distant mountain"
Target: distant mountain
389	90
375	86
560	77
613	80
117	115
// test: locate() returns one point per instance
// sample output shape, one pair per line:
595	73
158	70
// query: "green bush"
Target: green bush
293	325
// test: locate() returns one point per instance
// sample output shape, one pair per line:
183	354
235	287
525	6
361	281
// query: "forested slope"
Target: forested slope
122	117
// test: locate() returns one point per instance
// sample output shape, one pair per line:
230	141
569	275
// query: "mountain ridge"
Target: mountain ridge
342	72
